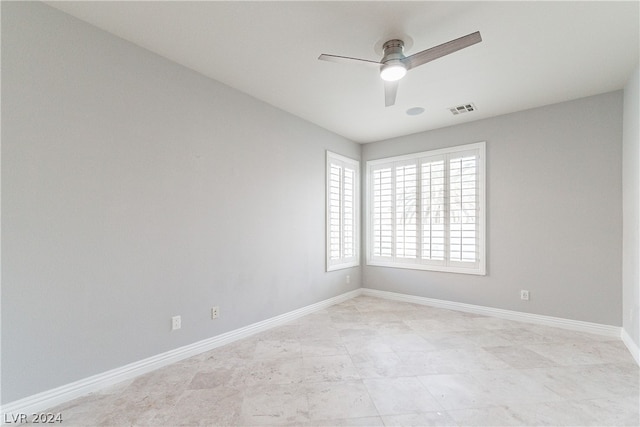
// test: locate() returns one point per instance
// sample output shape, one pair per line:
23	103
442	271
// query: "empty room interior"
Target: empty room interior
320	213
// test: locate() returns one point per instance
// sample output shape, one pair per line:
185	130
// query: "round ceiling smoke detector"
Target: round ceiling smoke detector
415	111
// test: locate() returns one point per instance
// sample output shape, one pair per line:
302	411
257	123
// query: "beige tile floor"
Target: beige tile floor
376	362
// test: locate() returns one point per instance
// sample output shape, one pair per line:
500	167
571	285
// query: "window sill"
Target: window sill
475	270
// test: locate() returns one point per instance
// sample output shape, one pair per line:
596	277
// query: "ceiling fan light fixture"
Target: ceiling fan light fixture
393	71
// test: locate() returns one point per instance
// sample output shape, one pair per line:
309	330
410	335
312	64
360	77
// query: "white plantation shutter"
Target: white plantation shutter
382	213
342	212
463	206
426	210
335	207
406	211
432	210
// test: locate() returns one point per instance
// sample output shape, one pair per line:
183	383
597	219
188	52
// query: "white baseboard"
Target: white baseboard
631	345
59	395
575	325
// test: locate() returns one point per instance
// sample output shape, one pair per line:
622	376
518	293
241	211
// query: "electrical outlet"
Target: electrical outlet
524	295
176	323
348	279
215	312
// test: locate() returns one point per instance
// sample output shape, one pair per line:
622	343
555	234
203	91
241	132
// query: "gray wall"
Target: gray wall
631	209
554	210
134	189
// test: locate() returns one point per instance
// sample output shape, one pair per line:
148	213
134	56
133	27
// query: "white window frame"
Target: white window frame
478	267
344	260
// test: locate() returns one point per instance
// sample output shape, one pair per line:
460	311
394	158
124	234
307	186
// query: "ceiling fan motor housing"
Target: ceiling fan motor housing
393	68
393	49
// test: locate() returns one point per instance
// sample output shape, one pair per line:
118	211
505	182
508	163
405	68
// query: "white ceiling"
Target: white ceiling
532	54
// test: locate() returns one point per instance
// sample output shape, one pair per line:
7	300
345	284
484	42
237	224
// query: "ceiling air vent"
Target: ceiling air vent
464	108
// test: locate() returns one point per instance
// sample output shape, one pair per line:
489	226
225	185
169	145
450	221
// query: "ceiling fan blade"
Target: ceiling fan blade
441	50
346	59
390	91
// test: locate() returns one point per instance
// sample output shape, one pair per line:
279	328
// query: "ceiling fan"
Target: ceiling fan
394	65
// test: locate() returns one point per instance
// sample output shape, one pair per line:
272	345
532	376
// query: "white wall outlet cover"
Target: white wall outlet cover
176	323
